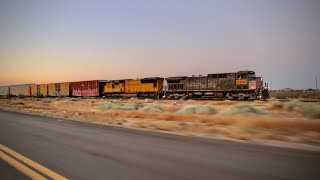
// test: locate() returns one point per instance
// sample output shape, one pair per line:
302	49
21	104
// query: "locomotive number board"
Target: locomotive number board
241	81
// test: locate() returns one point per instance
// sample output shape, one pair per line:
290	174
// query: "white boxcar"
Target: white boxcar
24	89
4	90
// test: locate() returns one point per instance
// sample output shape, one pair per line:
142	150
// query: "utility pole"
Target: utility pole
316	82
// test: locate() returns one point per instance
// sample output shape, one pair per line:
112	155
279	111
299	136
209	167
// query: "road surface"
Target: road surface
9	172
78	150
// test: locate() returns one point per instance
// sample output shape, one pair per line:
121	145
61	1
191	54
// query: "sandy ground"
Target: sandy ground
254	121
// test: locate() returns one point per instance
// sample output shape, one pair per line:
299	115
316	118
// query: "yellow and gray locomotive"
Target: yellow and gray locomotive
242	85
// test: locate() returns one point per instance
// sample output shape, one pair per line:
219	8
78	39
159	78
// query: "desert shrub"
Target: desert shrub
155	108
293	105
311	95
114	106
21	96
275	104
307	109
133	100
9	96
47	101
148	100
282	94
38	95
74	99
244	110
197	109
116	101
295	94
174	103
16	102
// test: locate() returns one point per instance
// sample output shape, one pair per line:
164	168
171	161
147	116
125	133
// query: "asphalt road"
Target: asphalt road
9	172
86	151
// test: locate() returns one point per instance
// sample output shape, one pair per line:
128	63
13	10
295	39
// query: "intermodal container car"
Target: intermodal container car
59	89
24	89
4	90
88	88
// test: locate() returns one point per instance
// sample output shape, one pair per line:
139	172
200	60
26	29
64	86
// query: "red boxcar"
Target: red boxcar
88	88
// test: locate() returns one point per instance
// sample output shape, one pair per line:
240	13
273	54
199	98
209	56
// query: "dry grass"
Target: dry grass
295	94
244	110
309	110
288	125
196	109
292	121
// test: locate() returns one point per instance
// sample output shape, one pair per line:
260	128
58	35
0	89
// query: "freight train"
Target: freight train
242	85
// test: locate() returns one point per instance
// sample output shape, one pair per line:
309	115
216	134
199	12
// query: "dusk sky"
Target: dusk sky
65	40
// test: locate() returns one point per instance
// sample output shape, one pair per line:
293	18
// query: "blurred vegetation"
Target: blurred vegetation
244	110
154	108
21	96
294	94
16	102
9	96
306	109
116	106
39	95
197	109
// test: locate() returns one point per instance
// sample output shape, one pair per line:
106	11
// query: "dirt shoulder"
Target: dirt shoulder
272	121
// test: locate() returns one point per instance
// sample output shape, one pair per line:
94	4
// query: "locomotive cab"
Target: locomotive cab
246	80
246	74
250	85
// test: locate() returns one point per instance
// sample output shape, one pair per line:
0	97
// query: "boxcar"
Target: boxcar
24	89
4	90
39	89
34	90
59	89
88	88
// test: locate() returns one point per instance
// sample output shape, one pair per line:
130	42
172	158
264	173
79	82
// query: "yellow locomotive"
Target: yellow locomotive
146	87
